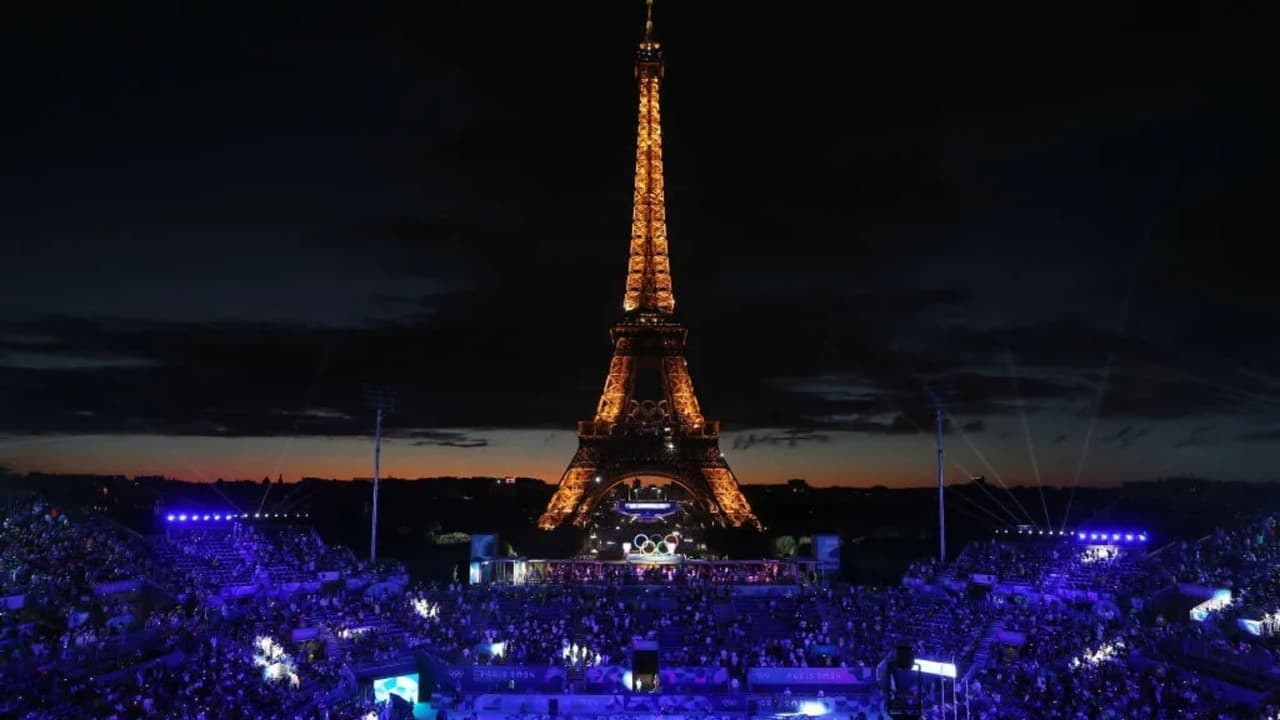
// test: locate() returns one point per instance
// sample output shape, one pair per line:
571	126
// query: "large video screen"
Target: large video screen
406	686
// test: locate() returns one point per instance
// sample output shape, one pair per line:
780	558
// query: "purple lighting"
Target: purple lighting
228	517
1112	537
198	517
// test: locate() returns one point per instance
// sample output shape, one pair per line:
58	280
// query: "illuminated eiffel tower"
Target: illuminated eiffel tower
648	422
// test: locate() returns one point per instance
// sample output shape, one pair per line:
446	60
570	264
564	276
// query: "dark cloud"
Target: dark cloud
1170	393
1199	436
1135	375
1126	436
1269	435
273	380
900	402
241	379
899	425
788	438
446	438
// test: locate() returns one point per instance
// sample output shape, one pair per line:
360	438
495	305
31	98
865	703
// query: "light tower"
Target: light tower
939	417
942	502
381	400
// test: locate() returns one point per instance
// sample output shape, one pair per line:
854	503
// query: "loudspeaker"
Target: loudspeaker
904	658
553	706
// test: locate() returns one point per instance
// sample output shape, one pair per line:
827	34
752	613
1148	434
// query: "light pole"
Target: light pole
942	506
938	417
382	401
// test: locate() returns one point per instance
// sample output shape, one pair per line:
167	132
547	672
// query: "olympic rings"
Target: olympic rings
655	543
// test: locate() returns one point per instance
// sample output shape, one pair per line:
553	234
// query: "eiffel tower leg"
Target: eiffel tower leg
617	386
724	487
679	387
573	486
586	507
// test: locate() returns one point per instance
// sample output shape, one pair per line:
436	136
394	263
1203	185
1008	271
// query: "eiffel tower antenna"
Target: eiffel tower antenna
648	421
648	289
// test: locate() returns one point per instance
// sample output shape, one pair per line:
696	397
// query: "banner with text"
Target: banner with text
528	678
786	677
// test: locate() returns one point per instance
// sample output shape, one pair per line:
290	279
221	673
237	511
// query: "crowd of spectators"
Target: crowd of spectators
1050	566
1121	651
99	622
114	625
589	572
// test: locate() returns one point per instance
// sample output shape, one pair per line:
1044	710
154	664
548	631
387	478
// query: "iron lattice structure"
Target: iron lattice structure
648	421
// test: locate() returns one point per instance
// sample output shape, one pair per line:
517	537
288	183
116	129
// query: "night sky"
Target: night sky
219	223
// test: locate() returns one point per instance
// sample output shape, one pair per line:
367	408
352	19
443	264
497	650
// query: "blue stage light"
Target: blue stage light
182	518
1112	537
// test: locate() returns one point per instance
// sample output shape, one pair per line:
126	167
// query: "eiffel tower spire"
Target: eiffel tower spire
649	268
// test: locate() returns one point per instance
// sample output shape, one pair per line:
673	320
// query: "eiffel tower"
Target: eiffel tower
648	422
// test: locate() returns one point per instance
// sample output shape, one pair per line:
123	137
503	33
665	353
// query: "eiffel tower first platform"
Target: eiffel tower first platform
648	422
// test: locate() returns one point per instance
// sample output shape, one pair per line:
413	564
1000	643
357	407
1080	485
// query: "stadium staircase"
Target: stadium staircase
207	554
769	621
671	638
723	612
982	655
